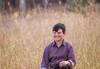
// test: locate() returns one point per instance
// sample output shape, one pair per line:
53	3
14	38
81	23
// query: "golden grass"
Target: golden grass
22	40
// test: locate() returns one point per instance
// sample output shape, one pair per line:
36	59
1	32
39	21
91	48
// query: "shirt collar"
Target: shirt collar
63	43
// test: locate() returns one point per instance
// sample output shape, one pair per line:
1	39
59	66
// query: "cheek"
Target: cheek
61	36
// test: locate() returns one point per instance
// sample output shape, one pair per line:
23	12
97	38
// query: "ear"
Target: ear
64	33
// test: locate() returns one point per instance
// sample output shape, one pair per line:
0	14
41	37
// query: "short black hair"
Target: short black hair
59	26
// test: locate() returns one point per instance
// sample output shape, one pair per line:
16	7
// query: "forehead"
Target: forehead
59	30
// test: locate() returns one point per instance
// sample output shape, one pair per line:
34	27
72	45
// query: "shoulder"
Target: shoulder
48	47
68	45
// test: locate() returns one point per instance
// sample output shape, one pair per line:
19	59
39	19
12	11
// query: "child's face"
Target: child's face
58	35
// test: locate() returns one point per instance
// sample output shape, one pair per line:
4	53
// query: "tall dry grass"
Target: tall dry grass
22	40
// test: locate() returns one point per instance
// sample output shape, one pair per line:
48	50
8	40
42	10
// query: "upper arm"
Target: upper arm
45	58
71	55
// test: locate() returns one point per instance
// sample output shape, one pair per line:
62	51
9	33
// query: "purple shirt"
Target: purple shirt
54	55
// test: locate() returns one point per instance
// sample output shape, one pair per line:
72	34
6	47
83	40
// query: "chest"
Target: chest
58	53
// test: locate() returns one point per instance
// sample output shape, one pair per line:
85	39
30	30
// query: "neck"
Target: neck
59	43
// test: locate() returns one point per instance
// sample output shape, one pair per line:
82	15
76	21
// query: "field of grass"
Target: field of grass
22	40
